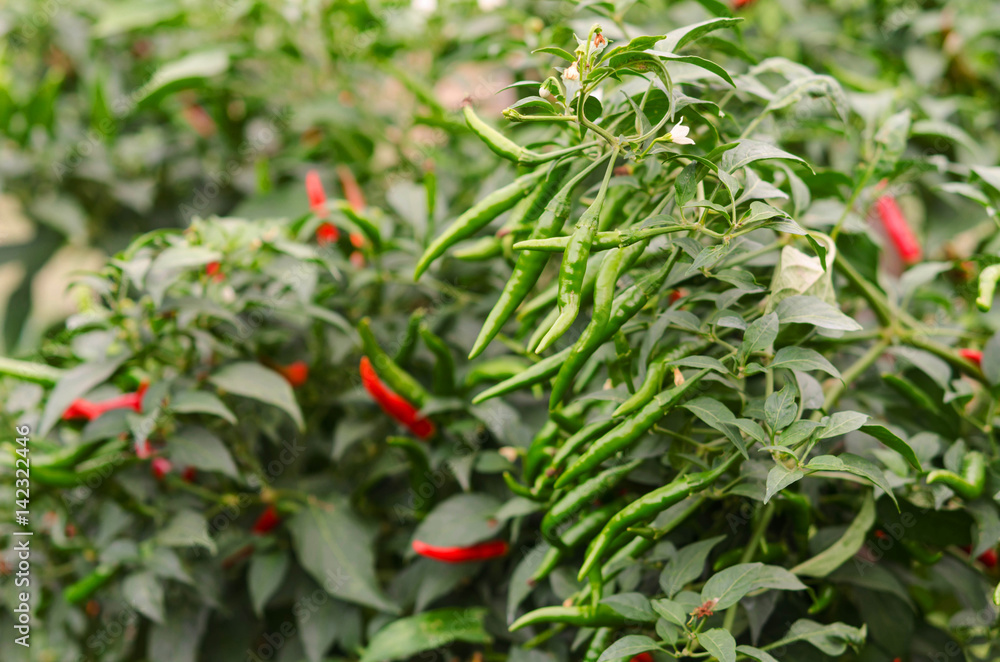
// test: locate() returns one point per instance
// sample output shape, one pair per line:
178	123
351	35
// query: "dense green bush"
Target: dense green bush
733	408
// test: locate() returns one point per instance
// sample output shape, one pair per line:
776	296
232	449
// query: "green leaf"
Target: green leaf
856	465
187	529
732	584
699	62
810	310
558	52
75	384
314	624
179	638
687	565
832	639
843	549
520	580
633	606
719	643
267	571
463	519
750	151
817	85
672	611
758	337
194	446
335	548
144	592
406	637
842	422
803	358
756	653
201	402
889	438
629	646
780	477
183	73
252	380
780	408
701	362
718	416
677	39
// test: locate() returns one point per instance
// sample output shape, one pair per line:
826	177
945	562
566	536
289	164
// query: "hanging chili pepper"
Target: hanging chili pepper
480	552
214	270
642	657
352	192
267	521
317	196
582	496
585	529
503	146
189	474
392	404
85	587
160	467
81	408
898	229
326	234
969	485
398	379
539	372
973	355
987	286
443	374
295	373
580	616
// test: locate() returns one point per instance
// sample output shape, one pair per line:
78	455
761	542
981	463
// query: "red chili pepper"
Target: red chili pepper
326	234
189	474
989	558
898	229
199	120
295	373
392	403
974	355
267	521
676	295
480	552
81	408
161	466
740	4
214	269
143	449
642	657
352	192
317	196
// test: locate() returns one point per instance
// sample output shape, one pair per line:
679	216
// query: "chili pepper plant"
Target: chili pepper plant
678	386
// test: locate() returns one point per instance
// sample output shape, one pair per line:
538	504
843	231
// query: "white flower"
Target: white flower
490	5
571	72
678	135
424	6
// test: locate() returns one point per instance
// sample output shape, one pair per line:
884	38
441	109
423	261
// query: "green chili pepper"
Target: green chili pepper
582	496
600	643
576	442
430	190
823	599
67	457
443	374
481	250
585	529
647	507
911	392
628	431
388	370
574	262
533	375
583	616
82	589
409	343
920	553
503	146
970	484
365	225
497	369
568	418
987	286
478	217
530	265
623	309
732	557
519	489
541	444
603	241
650	387
604	286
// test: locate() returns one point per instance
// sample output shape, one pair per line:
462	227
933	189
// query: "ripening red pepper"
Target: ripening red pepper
974	355
896	226
189	474
352	192
987	558
267	521
81	408
740	4
317	196
326	234
677	295
199	120
480	552
214	269
295	373
642	657
392	403
160	466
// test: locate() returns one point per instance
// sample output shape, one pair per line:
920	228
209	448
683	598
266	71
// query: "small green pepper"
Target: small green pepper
823	599
583	616
582	497
600	643
443	375
539	372
987	286
496	369
970	484
82	589
388	370
504	147
584	529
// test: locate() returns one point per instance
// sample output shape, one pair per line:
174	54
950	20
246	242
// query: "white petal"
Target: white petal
679	131
682	141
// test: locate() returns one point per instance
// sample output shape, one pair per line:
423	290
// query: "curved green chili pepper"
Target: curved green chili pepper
576	442
416	454
584	529
497	369
503	146
624	308
519	489
481	250
647	507
533	375
603	241
388	370
530	265
823	599
920	553
600	643
82	589
987	286
583	616
970	484
574	263
443	374
541	444
409	343
628	431
604	286
477	217
651	385
911	392
582	496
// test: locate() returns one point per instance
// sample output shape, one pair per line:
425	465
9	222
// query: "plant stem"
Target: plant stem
853	372
758	534
857	191
38	373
